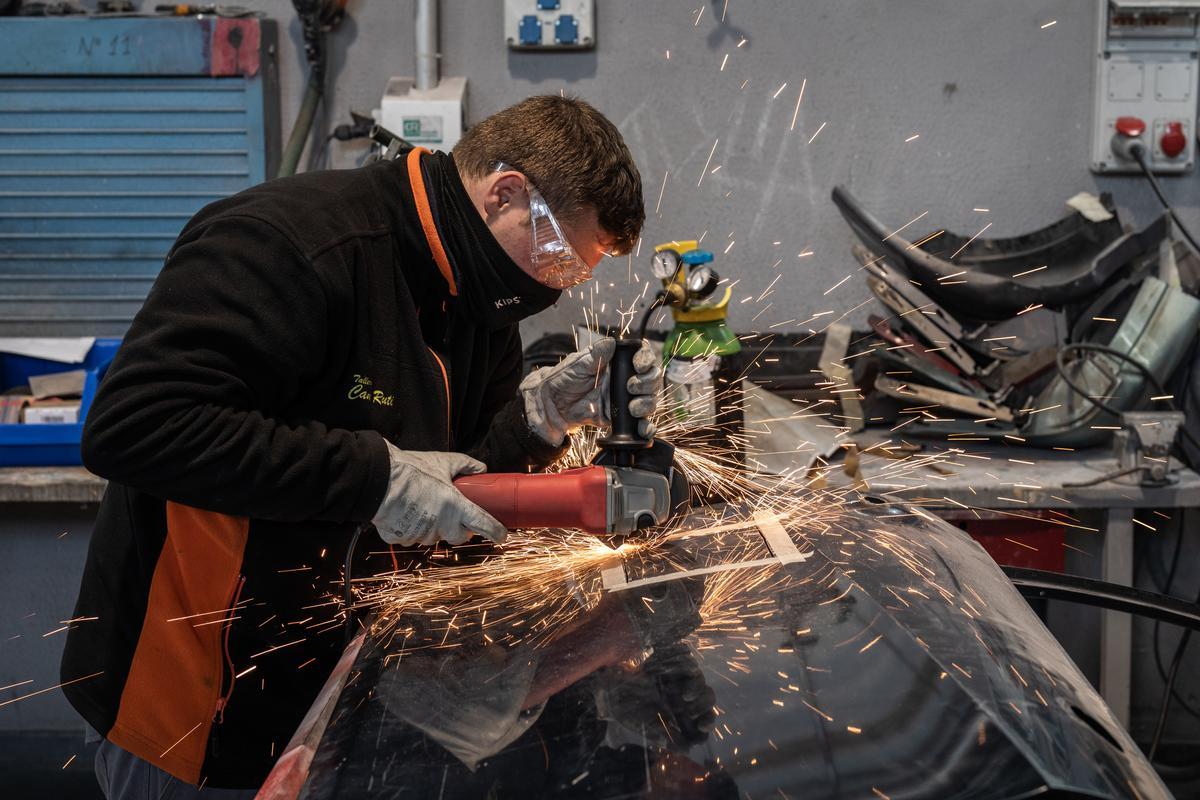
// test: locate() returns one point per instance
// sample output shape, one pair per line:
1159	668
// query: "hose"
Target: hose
659	302
304	122
347	584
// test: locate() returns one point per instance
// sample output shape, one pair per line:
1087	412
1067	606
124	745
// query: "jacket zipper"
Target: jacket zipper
446	383
227	674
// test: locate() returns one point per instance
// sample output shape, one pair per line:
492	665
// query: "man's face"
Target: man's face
502	200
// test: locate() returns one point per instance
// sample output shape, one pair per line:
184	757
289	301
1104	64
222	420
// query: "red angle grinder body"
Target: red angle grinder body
575	498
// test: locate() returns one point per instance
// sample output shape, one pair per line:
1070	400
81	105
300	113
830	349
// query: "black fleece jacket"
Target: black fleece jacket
294	327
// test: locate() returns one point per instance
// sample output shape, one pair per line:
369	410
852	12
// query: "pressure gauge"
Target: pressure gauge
665	264
702	281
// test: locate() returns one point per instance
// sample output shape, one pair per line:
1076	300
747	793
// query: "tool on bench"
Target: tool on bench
632	484
1143	446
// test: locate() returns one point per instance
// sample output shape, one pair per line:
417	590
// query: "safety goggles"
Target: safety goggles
555	262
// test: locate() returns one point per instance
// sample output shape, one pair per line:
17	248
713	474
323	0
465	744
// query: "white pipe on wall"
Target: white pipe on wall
427	44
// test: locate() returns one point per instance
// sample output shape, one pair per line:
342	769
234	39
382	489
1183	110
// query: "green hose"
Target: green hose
303	125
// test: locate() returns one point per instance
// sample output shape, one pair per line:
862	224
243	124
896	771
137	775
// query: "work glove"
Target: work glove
422	506
574	392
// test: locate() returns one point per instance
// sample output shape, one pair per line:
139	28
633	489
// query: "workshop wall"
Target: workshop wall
1001	107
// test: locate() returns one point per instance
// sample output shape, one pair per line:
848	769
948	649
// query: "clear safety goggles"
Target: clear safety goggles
555	262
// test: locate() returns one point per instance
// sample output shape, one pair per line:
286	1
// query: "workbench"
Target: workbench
1012	479
50	485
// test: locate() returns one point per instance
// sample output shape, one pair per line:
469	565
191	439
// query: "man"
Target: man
320	352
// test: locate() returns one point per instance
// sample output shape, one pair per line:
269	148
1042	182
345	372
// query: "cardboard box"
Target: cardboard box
51	413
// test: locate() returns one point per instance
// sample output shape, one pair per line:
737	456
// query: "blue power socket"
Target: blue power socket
566	30
529	32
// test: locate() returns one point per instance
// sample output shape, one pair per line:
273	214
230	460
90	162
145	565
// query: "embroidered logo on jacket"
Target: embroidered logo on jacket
507	301
361	390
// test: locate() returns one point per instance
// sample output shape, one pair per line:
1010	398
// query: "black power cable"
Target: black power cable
1169	688
1060	362
1165	588
1138	151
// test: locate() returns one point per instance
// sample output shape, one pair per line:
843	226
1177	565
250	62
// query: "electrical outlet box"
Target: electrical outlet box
550	24
1146	69
432	118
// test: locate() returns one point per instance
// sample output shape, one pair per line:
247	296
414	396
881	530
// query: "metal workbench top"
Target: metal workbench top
1012	477
50	485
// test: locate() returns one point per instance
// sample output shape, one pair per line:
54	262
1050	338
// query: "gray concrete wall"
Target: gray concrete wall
1002	107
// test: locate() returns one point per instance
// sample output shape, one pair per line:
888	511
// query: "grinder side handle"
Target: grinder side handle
623	435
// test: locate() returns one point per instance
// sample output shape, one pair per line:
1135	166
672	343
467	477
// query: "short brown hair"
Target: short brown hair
571	152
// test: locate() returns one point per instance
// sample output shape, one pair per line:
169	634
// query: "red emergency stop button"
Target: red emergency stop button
1173	142
1132	127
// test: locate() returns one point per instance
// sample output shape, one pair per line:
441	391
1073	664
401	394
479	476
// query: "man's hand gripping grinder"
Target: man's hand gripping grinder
632	484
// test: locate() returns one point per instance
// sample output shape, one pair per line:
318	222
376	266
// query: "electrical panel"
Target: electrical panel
550	24
1146	84
432	118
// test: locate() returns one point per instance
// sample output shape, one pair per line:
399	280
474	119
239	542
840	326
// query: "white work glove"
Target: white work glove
422	506
645	387
574	392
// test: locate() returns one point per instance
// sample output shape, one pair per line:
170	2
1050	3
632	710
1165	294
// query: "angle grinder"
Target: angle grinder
632	484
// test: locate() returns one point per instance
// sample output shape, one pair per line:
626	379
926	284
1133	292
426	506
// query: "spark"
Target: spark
796	111
818	133
50	688
905	225
708	161
912	138
968	241
1049	24
658	205
836	285
782	86
181	738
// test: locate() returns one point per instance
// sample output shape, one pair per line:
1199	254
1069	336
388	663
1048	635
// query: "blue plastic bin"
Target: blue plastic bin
49	445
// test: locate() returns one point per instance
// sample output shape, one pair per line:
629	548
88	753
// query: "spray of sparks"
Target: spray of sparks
539	581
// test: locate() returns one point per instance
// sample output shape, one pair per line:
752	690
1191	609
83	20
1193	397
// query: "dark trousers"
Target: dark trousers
124	776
